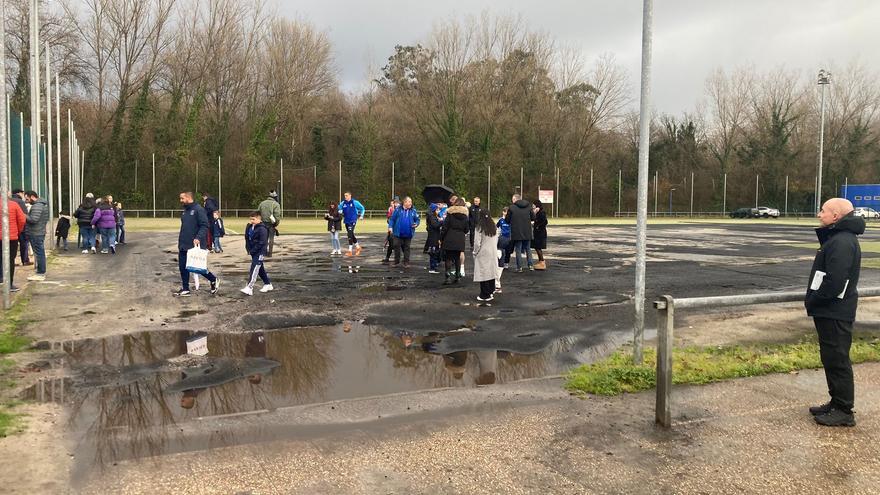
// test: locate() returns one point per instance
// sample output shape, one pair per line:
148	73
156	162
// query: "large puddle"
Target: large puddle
125	394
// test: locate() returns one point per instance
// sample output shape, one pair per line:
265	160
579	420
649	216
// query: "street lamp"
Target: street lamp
823	80
670	201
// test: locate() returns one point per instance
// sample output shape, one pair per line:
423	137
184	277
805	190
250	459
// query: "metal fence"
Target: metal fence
244	212
707	214
666	325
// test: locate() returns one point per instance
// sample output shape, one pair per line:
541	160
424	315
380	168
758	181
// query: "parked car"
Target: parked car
766	211
865	212
743	213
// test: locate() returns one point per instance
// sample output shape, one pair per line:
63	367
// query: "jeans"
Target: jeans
23	248
487	287
217	246
334	241
120	234
59	241
38	242
13	247
258	269
271	229
389	239
433	258
519	247
184	274
108	237
88	234
402	244
506	247
835	340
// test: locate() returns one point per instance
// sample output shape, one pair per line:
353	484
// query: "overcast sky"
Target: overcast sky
691	37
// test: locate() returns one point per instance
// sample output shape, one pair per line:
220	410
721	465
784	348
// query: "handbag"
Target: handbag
197	261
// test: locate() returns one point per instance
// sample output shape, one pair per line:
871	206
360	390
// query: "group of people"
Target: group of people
101	223
28	217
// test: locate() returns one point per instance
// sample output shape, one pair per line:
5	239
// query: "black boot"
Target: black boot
836	417
449	279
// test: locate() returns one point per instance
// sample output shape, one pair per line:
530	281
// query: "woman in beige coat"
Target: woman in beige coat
485	255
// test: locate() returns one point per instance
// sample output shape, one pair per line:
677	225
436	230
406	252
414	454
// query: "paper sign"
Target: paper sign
197	346
546	196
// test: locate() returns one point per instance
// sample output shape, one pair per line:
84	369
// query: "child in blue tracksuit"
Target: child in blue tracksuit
504	243
351	210
217	231
256	241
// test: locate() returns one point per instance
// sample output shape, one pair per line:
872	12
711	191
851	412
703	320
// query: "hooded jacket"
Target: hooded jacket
62	228
434	225
520	217
17	220
256	239
840	258
351	211
37	218
193	225
455	228
104	217
403	222
270	211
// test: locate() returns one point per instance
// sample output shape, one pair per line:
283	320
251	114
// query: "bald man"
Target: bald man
831	300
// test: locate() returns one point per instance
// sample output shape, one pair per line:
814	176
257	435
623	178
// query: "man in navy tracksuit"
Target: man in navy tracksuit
194	227
402	226
256	241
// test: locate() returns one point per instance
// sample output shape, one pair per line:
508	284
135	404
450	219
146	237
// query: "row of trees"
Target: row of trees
191	81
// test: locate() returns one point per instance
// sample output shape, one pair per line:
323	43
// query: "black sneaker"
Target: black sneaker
215	286
836	417
182	293
819	410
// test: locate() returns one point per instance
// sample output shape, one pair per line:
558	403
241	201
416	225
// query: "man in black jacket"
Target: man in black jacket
473	217
520	216
831	299
194	228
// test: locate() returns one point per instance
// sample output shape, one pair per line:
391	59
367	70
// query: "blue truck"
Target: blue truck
862	195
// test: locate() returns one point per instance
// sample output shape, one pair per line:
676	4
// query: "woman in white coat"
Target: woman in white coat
485	255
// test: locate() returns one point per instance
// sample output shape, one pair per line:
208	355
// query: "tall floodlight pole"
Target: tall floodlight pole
340	180
724	195
21	149
50	162
655	192
4	168
58	139
619	189
443	174
642	212
824	79
786	197
521	181
154	185
392	179
281	185
692	194
489	187
757	180
70	195
34	58
591	193
558	195
845	186
219	183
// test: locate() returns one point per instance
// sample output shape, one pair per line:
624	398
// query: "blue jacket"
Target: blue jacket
256	239
193	225
504	227
403	222
217	230
351	210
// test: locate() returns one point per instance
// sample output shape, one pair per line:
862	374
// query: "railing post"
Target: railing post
665	331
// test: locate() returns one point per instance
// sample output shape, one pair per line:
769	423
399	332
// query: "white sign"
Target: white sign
546	196
197	346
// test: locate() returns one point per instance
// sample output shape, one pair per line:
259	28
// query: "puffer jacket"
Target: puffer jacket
37	218
840	258
84	214
403	222
455	229
104	217
17	220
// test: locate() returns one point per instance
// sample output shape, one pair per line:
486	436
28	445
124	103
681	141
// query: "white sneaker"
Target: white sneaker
94	250
267	288
248	291
462	271
37	277
85	251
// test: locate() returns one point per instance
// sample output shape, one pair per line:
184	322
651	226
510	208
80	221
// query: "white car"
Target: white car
766	211
865	212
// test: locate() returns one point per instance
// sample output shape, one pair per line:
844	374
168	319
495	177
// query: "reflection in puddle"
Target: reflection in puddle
125	393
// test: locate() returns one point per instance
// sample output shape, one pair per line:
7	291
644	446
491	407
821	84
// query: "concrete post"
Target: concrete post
665	329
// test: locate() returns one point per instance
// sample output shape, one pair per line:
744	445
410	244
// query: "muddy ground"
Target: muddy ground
111	381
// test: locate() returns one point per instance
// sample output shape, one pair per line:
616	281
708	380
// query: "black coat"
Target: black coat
455	229
434	228
334	220
193	225
210	207
840	257
84	214
520	216
540	230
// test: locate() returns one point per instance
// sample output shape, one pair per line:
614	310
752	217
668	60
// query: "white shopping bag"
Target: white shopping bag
197	260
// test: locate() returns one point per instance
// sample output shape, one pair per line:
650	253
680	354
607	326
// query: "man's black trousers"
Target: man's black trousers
835	339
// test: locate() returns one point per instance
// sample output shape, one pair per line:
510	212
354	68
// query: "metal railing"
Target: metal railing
707	214
666	326
244	212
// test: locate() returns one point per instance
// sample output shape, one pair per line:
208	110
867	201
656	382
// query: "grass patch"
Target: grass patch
699	365
10	422
10	339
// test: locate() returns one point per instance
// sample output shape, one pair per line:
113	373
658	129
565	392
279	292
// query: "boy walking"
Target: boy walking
218	231
256	240
62	229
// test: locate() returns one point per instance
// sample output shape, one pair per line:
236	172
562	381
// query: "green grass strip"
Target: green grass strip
11	340
9	422
698	365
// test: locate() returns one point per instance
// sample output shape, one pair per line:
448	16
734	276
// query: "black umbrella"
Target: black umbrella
436	193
